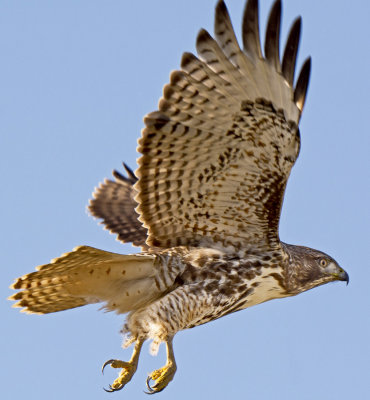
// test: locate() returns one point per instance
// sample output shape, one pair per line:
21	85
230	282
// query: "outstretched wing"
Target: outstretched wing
113	202
217	155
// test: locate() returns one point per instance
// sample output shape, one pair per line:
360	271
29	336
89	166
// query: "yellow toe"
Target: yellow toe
161	377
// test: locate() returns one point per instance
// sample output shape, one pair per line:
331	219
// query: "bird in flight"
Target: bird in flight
204	203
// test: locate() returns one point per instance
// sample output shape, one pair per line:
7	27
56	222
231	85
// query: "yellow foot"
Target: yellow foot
127	372
128	368
162	377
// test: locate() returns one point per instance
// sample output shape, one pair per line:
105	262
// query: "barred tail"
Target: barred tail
85	276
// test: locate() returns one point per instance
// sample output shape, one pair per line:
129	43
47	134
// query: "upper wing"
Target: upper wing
217	155
113	201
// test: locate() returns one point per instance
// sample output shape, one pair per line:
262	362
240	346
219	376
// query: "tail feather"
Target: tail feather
85	276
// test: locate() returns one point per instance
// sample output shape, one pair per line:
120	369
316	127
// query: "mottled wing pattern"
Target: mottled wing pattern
217	154
113	202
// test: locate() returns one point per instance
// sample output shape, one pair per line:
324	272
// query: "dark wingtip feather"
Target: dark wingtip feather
291	50
119	176
273	36
131	178
250	30
221	15
186	59
203	36
221	9
130	172
300	91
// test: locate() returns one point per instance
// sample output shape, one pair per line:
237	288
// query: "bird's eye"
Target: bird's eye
323	262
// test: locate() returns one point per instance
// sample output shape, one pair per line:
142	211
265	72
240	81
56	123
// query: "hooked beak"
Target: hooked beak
342	276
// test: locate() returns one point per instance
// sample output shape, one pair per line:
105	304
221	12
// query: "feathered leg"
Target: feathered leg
163	376
128	368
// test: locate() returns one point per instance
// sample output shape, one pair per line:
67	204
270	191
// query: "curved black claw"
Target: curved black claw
109	362
151	390
112	389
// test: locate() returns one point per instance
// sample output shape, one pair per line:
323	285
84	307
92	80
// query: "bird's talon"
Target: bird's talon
161	377
151	390
127	371
114	389
109	362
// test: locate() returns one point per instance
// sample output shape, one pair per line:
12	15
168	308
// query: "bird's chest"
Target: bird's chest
231	286
265	287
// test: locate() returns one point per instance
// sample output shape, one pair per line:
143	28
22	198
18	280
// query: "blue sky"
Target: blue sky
77	77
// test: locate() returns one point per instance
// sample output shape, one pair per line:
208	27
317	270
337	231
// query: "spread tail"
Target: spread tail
85	276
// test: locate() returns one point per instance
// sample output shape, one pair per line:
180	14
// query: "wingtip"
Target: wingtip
297	25
131	177
186	59
130	172
272	37
220	5
301	88
221	12
291	50
202	35
250	29
277	4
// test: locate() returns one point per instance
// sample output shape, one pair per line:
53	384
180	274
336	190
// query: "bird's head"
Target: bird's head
308	268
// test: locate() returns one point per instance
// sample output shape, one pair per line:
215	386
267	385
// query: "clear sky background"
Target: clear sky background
77	77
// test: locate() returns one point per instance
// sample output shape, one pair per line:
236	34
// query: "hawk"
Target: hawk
204	203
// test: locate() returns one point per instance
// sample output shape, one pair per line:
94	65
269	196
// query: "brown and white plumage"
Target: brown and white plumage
114	202
205	202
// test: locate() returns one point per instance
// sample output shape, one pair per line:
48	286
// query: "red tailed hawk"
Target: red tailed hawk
204	204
